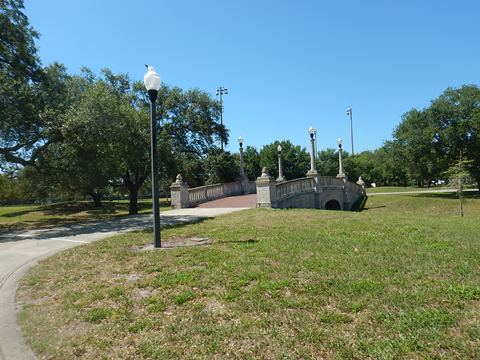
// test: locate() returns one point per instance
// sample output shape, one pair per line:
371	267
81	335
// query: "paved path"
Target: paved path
19	251
240	201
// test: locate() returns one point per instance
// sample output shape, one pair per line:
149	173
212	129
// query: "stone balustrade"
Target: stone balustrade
294	187
184	197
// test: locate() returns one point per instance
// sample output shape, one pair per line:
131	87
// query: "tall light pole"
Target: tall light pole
349	113
341	173
220	92
312	170
242	166
280	165
152	83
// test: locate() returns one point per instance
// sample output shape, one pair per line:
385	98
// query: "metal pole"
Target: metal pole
242	169
156	206
351	129
221	115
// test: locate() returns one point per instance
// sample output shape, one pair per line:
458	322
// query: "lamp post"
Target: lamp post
349	112
341	174
280	165
152	83
312	133
242	167
220	92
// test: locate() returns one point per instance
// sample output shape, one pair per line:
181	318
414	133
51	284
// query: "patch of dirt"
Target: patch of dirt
176	242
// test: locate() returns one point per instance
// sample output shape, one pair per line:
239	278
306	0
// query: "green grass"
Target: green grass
398	280
21	217
381	189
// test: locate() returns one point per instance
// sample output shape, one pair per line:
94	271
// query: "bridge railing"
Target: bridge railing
294	187
309	192
206	193
183	196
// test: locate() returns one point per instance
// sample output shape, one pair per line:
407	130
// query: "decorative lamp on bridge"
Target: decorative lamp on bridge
341	173
242	165
312	132
152	84
280	165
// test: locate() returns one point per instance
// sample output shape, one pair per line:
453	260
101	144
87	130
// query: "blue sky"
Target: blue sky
287	64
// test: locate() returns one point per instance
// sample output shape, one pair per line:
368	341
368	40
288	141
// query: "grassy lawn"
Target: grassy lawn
382	189
399	280
21	217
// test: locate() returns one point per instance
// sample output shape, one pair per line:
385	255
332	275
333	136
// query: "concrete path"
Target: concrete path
240	201
19	251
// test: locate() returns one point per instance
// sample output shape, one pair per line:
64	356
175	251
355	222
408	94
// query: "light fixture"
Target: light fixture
240	140
151	79
152	83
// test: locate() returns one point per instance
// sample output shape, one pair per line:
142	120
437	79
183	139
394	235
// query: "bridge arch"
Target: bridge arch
333	204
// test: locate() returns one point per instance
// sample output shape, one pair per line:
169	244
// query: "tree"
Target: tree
457	113
327	162
296	160
220	167
26	90
458	176
421	145
430	140
251	160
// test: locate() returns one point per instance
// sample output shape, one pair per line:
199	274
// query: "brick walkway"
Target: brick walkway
241	201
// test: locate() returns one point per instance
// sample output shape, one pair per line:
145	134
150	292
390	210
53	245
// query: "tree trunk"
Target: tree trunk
133	206
97	199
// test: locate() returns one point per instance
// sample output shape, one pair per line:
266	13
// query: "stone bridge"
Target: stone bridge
313	191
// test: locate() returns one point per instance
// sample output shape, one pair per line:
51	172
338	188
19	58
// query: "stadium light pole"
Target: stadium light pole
220	92
152	84
349	113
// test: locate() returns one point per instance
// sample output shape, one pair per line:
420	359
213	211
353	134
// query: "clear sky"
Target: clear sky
287	64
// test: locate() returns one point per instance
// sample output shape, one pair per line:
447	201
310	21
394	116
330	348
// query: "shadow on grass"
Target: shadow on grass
71	208
452	195
243	242
373	207
95	228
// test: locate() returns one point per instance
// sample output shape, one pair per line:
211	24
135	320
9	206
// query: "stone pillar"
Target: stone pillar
361	183
341	173
312	171
179	194
266	190
280	165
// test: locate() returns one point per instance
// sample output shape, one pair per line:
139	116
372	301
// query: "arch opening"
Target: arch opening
333	205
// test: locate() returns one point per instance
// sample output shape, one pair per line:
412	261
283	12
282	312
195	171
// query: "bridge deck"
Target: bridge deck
240	201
